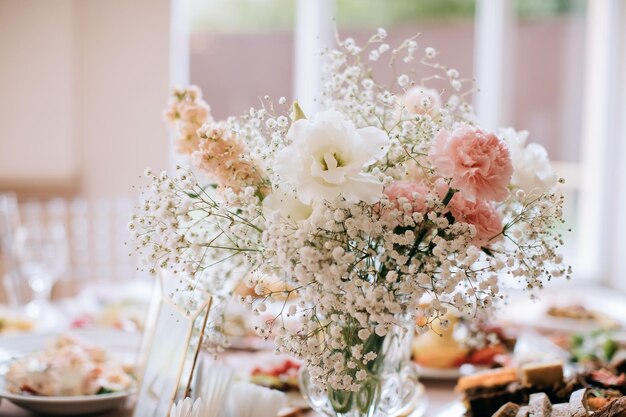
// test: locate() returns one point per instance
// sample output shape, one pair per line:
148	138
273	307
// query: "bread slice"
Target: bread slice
542	375
507	410
539	405
485	379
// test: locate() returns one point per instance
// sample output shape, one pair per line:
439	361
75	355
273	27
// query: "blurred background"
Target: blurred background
83	84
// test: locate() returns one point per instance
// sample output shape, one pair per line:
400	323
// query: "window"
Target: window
553	67
241	50
545	93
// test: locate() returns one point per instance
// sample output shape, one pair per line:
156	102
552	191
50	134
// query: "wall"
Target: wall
125	77
82	83
38	93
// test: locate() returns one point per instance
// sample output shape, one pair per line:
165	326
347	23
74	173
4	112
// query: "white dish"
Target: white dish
448	373
523	312
454	409
123	345
68	406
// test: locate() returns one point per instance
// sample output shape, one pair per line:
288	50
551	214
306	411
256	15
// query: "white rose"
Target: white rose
287	205
532	171
327	156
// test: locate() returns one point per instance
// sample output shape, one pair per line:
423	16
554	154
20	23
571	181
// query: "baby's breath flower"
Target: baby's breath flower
348	236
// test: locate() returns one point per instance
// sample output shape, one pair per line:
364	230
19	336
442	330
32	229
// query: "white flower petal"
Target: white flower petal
327	154
364	187
375	143
286	204
310	190
532	171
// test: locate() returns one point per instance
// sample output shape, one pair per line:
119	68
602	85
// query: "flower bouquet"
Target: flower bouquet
388	206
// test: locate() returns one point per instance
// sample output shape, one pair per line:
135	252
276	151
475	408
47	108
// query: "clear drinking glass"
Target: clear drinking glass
9	271
42	253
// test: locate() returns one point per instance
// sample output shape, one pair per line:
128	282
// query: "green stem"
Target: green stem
448	196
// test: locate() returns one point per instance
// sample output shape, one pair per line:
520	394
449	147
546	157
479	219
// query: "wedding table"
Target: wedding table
439	394
8	409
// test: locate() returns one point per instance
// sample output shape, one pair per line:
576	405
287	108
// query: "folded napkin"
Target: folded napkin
250	400
213	383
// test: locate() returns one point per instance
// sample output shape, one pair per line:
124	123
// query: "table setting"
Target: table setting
387	255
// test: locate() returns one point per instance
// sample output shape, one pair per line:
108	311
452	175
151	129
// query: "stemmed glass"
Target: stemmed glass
42	253
9	222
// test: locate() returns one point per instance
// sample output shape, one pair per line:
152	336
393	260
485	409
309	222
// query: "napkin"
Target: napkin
250	400
213	383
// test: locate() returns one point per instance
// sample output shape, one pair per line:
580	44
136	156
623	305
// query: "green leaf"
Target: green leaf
105	390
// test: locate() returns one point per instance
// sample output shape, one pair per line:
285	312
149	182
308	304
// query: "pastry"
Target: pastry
542	375
507	410
486	379
539	405
485	392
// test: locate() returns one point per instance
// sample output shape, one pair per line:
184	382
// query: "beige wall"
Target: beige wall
82	85
38	91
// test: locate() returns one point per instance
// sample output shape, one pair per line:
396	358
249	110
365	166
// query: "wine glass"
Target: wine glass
42	253
9	222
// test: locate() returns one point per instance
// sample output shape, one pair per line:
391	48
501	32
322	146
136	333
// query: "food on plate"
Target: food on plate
600	348
438	348
283	377
487	393
484	392
577	312
487	379
579	404
607	378
125	315
539	405
445	347
68	367
507	410
571	311
15	325
542	375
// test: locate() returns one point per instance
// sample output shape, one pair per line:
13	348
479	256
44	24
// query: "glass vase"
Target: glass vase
391	387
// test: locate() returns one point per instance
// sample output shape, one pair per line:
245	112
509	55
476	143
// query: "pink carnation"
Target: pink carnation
479	213
478	163
415	192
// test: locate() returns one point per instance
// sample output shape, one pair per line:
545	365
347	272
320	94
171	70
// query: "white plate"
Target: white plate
523	312
120	344
454	409
68	406
448	373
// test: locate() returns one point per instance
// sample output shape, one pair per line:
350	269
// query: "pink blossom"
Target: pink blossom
186	113
223	157
478	163
479	213
422	100
415	192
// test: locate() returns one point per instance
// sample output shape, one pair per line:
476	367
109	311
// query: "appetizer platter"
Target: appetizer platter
555	314
443	353
65	374
591	383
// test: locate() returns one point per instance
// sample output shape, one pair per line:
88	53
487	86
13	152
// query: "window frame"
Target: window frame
602	235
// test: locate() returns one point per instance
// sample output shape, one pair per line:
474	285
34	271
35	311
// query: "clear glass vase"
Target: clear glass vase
391	387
